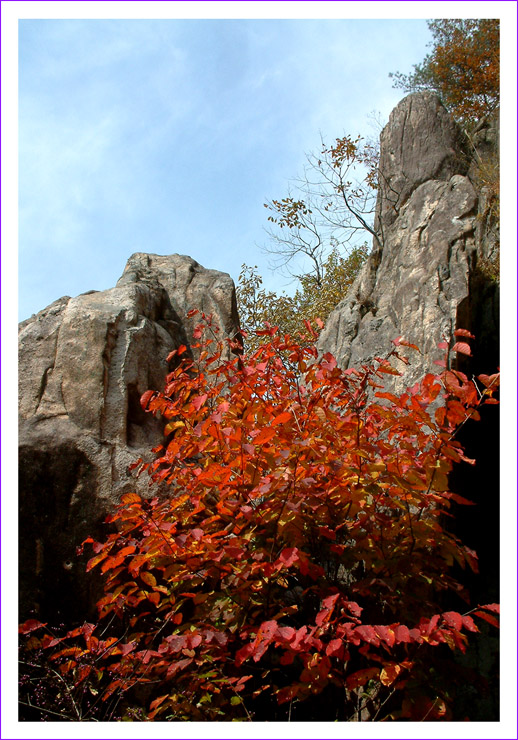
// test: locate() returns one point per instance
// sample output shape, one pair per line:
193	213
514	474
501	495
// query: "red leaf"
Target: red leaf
285	633
402	633
330	601
404	343
386	367
127	647
328	361
334	647
322	617
492	607
199	401
95	560
367	634
244	653
360	678
490	380
156	703
462	347
175	667
289	556
388	396
427	626
29	626
386	634
49	641
487	617
146	398
469	624
354	608
299	637
267	630
463	333
148	578
453	619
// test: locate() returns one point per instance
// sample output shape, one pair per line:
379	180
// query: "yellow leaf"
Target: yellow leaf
148	578
130	498
172	426
389	673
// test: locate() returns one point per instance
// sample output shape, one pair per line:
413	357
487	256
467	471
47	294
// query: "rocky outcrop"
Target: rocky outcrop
83	364
423	278
433	269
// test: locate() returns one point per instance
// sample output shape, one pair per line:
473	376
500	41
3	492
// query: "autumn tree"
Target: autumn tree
463	67
300	567
317	237
315	297
332	210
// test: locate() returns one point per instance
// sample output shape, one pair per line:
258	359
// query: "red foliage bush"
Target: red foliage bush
301	551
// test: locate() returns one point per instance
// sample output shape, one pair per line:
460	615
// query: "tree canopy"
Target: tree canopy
315	298
463	67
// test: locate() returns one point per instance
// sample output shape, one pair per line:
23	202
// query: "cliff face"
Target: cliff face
83	364
423	278
428	276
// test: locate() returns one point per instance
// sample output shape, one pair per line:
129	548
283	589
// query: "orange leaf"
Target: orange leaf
95	560
172	426
146	398
148	578
281	419
130	498
29	626
265	435
389	673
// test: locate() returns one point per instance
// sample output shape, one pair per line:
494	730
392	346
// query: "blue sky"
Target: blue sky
169	135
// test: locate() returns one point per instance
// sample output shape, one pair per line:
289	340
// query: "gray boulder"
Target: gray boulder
83	365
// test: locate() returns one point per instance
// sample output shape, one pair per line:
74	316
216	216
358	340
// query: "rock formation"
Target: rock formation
432	270
423	278
83	364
